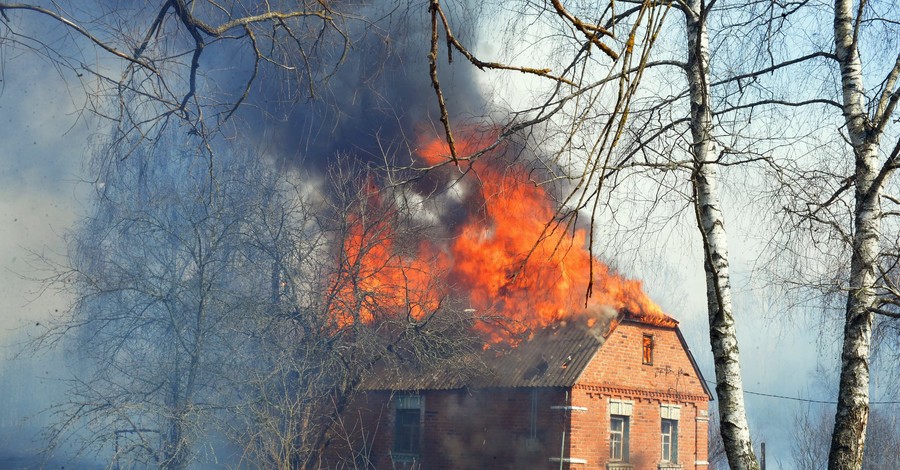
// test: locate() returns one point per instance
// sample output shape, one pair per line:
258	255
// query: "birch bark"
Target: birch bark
849	435
711	222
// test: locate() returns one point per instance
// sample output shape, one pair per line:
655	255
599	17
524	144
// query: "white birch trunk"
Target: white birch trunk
722	332
849	435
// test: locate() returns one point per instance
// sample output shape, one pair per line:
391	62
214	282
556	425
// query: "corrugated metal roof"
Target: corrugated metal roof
553	357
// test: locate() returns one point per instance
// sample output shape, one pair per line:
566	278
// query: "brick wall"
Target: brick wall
617	372
618	364
462	429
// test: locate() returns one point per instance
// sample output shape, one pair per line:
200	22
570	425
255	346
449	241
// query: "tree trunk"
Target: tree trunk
849	435
722	332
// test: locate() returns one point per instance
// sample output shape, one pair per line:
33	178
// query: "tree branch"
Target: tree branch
432	68
591	31
888	101
217	31
757	73
77	28
451	39
779	102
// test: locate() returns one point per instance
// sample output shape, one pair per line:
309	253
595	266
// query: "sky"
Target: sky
44	142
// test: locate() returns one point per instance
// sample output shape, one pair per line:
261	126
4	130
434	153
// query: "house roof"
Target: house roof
552	357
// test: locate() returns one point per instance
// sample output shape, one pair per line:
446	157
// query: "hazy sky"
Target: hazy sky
42	146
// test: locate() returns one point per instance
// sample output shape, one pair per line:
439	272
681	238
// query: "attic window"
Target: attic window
647	355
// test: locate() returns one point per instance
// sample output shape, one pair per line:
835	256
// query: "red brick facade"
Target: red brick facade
549	427
617	372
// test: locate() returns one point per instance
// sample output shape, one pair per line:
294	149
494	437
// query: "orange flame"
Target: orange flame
375	280
510	260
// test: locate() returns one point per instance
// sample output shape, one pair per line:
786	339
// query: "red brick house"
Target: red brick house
572	397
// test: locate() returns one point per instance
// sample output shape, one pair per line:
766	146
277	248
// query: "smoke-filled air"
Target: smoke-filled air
372	234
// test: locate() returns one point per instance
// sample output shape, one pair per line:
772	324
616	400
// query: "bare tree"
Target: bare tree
866	120
812	426
378	308
589	113
154	277
682	138
198	62
834	198
716	118
226	298
812	434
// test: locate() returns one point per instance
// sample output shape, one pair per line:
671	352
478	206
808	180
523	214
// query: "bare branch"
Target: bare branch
792	104
888	100
451	39
223	28
591	32
780	65
432	68
80	30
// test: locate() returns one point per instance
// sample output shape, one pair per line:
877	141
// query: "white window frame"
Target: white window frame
669	413
619	438
669	449
620	410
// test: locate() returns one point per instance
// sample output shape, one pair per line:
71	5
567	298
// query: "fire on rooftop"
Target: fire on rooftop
507	254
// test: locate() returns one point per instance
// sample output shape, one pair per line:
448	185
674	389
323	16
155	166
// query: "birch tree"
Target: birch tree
711	223
866	120
589	113
866	115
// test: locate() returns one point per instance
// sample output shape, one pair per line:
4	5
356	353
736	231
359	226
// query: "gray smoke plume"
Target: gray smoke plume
375	101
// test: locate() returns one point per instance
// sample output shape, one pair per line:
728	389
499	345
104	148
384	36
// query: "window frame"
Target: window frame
647	345
672	455
407	439
620	444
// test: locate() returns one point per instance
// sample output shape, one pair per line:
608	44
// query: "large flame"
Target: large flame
508	259
375	279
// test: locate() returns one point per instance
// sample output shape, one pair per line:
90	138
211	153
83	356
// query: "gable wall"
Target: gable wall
618	363
617	373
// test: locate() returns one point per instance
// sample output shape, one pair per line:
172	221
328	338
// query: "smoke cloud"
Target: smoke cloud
379	96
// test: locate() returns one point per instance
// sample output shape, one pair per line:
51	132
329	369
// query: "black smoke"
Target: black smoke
371	104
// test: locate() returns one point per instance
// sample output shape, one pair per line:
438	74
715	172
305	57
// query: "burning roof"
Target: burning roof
505	256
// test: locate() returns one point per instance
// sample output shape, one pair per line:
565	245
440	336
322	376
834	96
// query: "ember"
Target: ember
506	259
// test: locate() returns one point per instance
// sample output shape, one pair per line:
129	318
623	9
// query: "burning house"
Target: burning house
625	394
603	383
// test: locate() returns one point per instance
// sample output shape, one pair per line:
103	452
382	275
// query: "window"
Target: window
618	438
408	425
620	413
669	415
648	350
669	441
